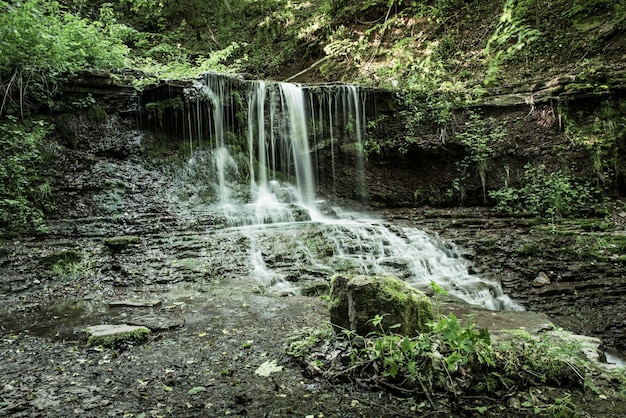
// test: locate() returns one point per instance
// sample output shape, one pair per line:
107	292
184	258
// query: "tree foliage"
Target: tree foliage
40	42
38	34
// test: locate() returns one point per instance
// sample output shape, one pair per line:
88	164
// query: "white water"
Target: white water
281	197
416	257
614	359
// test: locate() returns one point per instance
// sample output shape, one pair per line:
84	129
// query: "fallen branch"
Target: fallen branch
7	91
315	64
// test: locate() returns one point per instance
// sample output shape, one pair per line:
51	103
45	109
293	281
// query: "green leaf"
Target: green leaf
484	335
452	360
267	368
167	388
438	289
482	409
407	345
196	389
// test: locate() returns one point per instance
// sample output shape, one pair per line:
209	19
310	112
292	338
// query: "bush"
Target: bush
546	194
24	195
39	42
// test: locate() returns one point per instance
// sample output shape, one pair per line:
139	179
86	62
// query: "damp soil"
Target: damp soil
207	363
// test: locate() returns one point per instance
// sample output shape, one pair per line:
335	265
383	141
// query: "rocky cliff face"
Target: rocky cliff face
415	155
560	124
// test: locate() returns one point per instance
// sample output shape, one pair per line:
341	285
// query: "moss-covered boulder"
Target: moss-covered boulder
355	300
117	244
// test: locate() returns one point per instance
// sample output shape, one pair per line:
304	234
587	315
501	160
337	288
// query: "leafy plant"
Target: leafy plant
24	194
510	37
180	65
453	358
550	194
463	344
41	43
482	138
602	139
302	342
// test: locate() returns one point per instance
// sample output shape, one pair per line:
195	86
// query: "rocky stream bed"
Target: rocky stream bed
216	326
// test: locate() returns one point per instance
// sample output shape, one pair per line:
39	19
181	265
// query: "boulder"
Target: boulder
355	300
542	279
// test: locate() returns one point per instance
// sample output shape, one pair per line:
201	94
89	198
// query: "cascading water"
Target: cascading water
277	215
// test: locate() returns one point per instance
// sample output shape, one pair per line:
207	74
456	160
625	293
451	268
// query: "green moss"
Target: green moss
393	289
588	225
97	113
529	249
355	300
117	244
137	336
619	241
399	291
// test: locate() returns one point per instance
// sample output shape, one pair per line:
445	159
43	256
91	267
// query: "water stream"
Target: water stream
279	213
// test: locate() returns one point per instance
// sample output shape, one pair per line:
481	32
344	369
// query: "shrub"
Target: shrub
39	42
24	194
550	194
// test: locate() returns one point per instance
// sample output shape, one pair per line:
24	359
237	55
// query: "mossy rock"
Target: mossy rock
355	300
111	336
338	305
117	244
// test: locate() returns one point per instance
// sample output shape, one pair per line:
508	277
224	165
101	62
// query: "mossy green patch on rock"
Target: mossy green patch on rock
338	304
355	300
112	336
119	243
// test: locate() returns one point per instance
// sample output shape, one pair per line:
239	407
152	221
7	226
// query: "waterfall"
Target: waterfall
299	141
285	127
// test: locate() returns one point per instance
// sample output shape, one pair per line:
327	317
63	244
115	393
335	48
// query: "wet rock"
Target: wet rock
314	288
542	279
117	244
355	300
588	346
134	303
157	322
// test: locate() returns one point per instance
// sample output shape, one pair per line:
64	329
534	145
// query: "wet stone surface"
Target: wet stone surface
572	270
220	318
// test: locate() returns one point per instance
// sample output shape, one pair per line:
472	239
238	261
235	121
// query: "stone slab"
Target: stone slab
157	322
134	303
110	330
